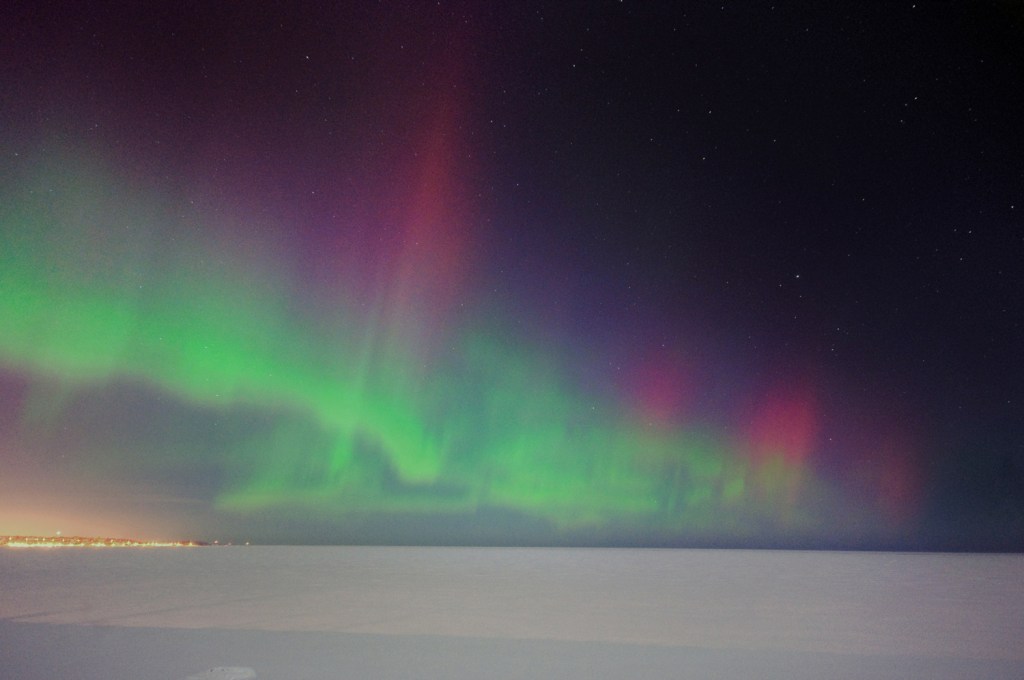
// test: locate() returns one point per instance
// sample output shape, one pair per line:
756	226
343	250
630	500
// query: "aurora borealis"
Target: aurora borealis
366	407
286	277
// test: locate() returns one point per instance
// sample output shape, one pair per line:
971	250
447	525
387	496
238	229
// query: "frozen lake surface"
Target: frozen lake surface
376	612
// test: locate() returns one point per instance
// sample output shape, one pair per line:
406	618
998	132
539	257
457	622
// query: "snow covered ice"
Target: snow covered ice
392	613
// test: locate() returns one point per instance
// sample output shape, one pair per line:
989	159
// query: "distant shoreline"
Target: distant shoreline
91	542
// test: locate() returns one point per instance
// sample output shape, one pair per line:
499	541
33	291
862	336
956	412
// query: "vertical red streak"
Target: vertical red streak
898	481
660	389
431	209
435	224
785	424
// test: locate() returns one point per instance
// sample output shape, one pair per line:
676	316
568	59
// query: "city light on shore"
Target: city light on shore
90	542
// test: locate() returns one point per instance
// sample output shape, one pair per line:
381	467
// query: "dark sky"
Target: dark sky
610	273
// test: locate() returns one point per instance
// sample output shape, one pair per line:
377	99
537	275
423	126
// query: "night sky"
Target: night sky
598	273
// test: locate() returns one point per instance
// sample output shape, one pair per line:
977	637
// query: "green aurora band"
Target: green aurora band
104	283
